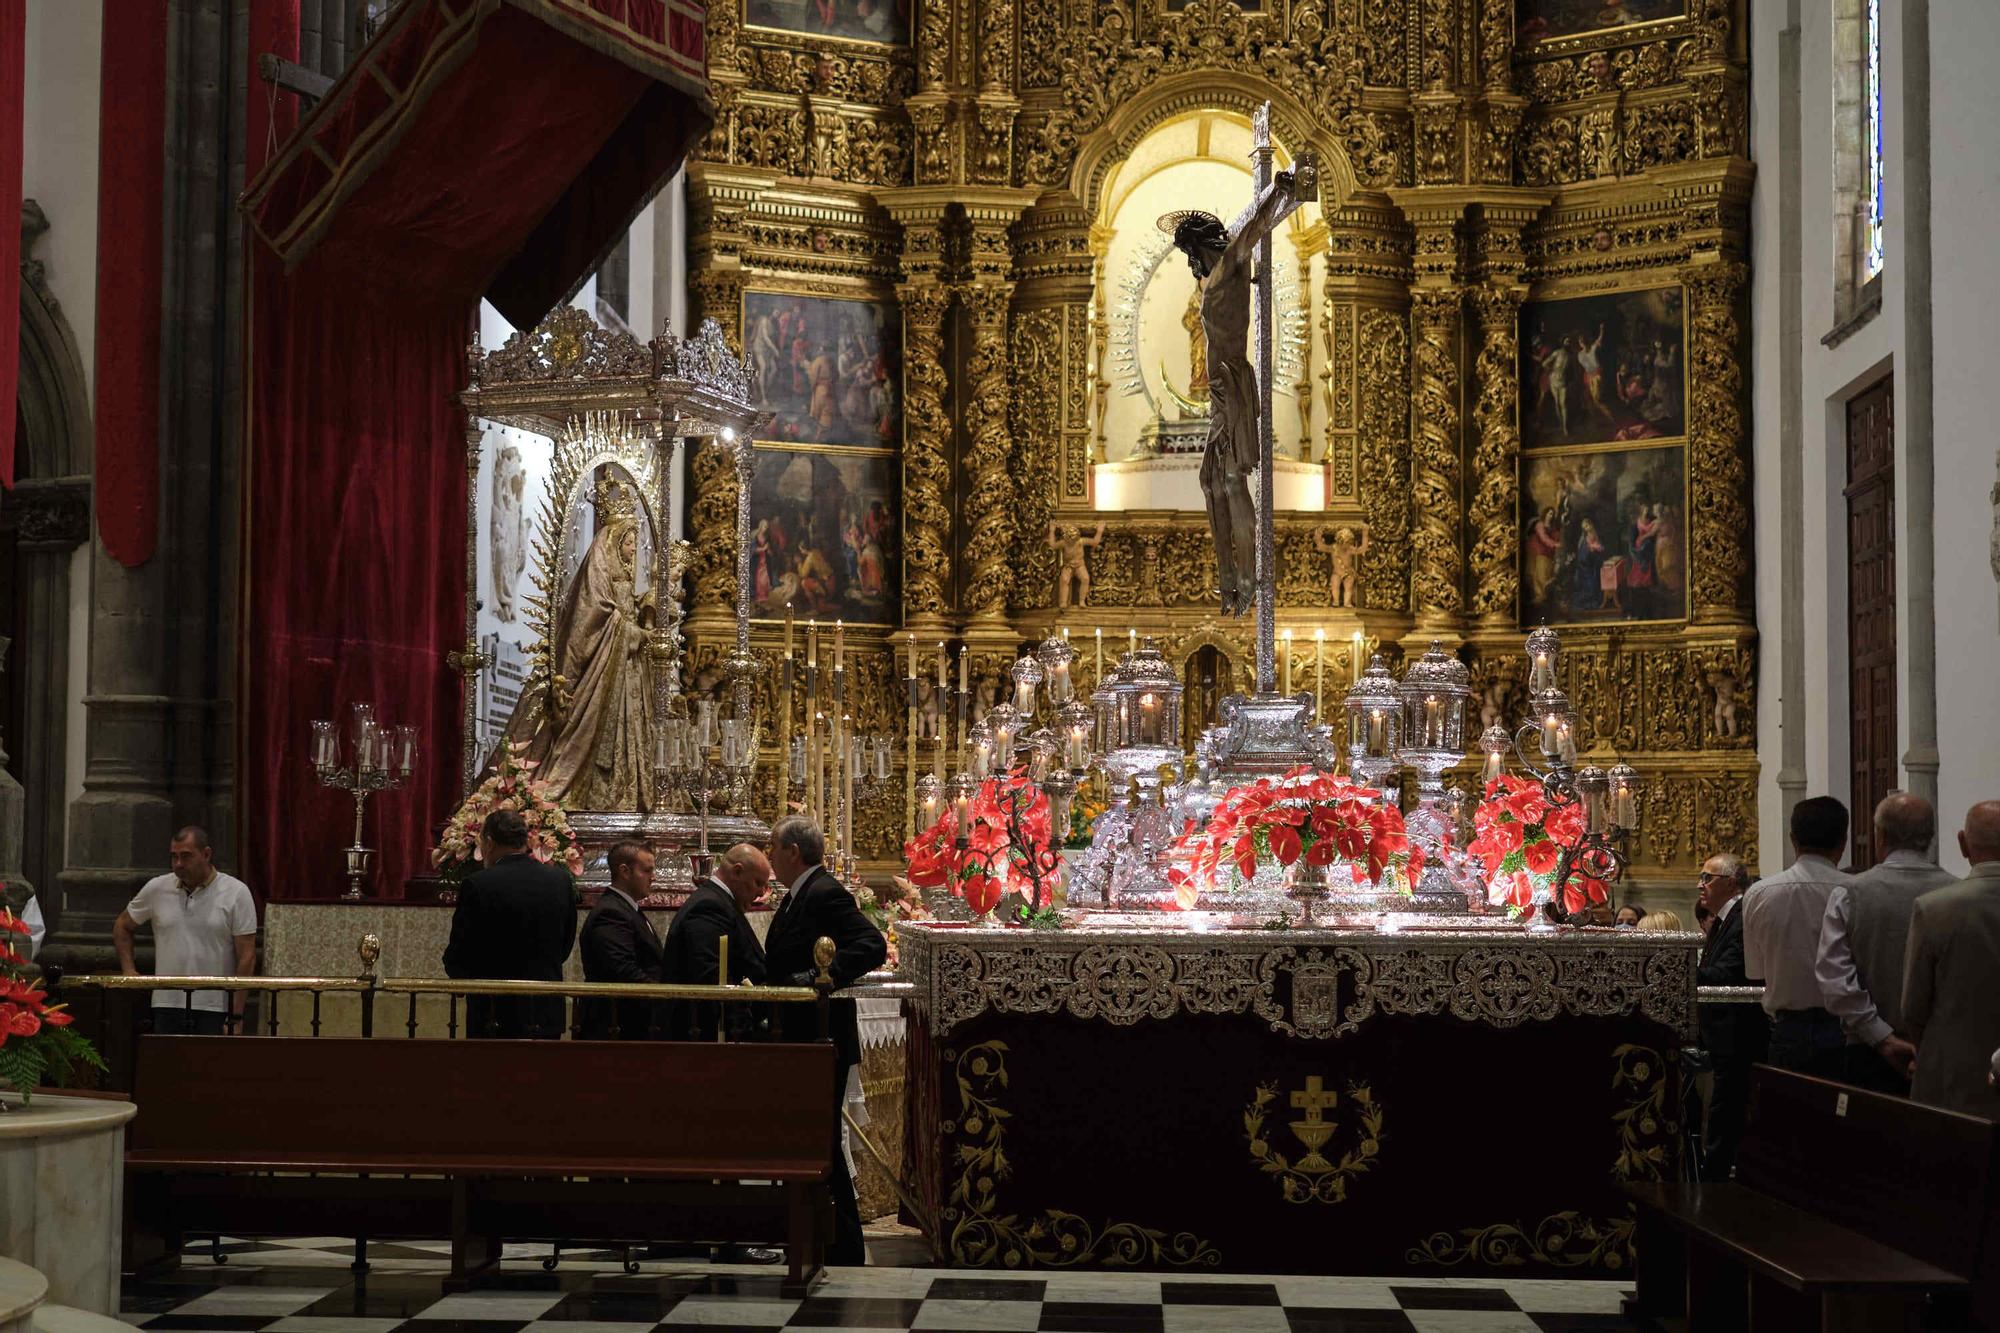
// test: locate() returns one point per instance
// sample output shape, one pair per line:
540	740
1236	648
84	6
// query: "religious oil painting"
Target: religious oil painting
824	535
829	369
1603	369
1604	536
885	21
1537	19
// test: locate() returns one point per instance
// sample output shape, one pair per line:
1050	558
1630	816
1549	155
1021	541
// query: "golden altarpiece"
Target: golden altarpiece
1503	185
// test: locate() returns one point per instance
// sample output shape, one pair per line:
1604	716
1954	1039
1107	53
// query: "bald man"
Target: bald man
1951	1003
717	910
1863	937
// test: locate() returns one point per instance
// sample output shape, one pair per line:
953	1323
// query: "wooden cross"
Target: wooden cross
1314	1099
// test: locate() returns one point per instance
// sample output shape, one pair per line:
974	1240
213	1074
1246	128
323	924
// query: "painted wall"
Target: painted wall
1965	323
59	171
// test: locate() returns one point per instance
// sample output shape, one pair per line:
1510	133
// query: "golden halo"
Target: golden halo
1170	222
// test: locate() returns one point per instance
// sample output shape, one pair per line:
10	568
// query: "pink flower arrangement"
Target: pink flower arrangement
1519	837
989	865
512	787
35	1036
1304	816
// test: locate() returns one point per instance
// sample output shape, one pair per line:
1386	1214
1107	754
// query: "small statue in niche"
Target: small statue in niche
927	715
985	694
1347	552
1725	687
1073	576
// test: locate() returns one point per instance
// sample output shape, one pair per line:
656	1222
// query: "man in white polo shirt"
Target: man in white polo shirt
204	925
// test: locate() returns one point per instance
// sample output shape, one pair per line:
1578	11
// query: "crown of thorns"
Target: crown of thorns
1170	223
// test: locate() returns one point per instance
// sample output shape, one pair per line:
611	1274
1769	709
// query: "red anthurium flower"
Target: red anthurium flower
1285	843
1540	856
1323	852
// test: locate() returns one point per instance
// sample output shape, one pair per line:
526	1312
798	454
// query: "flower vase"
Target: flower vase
1311	887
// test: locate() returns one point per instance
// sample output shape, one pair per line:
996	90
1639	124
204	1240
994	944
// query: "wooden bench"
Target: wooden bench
1850	1210
481	1141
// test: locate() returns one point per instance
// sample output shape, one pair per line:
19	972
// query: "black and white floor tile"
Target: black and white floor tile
305	1286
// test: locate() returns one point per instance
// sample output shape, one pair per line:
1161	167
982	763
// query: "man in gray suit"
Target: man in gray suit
1864	936
1951	1005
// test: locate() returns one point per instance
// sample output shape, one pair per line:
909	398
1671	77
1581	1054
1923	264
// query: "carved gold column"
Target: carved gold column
989	487
926	300
1051	397
1365	331
1493	510
711	521
1719	516
1436	477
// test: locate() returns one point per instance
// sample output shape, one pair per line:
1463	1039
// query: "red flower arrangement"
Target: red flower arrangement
1304	816
1519	837
34	1035
1008	845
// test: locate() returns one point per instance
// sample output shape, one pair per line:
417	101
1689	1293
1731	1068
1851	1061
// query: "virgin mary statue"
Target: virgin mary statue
589	736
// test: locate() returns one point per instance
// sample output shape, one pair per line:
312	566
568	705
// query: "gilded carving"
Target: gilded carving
1437	561
1438	44
926	468
1383	57
1720	564
933	42
1493	517
1496	43
989	485
1383	366
1038	376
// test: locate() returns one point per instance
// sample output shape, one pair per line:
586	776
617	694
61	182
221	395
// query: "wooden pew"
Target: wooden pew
1849	1210
481	1141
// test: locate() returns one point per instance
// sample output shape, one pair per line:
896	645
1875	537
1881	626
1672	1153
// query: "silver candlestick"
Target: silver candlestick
1435	692
382	759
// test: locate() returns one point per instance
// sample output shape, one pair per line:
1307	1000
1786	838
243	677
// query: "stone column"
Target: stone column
1719	517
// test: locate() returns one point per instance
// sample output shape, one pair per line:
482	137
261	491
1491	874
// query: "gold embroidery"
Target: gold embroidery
1314	1179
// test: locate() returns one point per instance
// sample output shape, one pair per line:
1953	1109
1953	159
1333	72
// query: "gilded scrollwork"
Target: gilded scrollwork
1383	370
1437	564
1038	374
926	466
1496	582
989	490
1720	563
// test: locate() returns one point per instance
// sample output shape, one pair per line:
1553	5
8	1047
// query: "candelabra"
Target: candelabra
1435	691
383	759
1610	799
701	763
1138	707
1374	707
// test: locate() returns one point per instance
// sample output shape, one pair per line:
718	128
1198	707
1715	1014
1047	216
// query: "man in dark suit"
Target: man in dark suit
1736	1035
515	921
716	911
819	905
618	944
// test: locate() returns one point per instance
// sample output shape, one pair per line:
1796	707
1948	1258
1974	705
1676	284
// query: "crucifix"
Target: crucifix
1232	264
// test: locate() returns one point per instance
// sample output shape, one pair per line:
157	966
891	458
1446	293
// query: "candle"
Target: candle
962	814
839	644
1077	754
1491	774
913	662
1059	690
1566	743
1593	811
1098	634
1286	687
1625	806
1354	658
788	631
1149	718
930	809
1542	675
1319	672
812	645
1433	722
942	659
1378	734
1551	734
1132	637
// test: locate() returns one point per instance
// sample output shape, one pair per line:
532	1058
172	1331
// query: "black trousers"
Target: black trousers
175	1021
1728	1106
847	1250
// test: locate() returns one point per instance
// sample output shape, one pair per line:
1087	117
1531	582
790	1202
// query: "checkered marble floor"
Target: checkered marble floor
305	1286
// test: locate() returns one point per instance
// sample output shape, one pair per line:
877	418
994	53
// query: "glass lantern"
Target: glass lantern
1435	691
1374	725
1057	659
1027	678
1625	788
1544	649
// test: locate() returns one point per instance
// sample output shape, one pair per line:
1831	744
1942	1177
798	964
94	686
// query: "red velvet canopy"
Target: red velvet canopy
475	147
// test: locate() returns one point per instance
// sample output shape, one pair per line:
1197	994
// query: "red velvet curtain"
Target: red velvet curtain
505	144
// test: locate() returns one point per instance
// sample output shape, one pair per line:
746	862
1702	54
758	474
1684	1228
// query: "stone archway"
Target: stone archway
43	520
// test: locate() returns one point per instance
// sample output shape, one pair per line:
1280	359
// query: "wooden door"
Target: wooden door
1871	610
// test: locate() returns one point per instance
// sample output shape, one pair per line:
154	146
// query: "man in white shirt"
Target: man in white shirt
204	925
1864	937
1782	918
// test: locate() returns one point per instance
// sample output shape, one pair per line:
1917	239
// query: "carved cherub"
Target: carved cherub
927	716
1347	553
1073	576
1725	687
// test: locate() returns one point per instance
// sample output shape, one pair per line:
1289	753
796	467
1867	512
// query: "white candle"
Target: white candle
1098	634
1492	771
1286	686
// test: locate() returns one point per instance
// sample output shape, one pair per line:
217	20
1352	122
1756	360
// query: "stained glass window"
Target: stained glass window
1872	257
